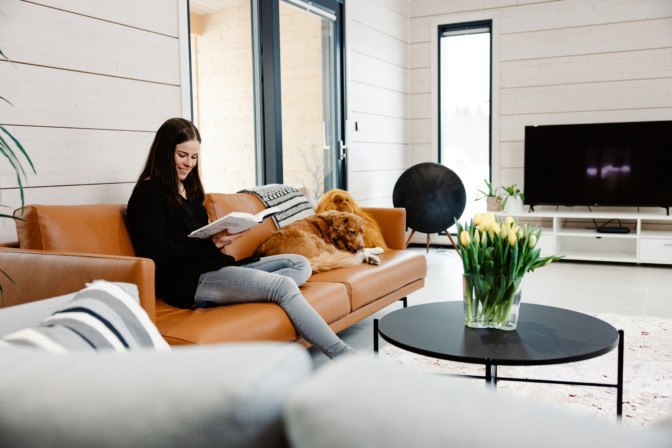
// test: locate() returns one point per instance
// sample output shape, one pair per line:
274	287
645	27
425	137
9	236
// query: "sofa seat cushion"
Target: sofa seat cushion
368	283
228	395
247	322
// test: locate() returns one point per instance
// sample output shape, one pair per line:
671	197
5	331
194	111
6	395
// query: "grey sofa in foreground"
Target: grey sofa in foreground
366	402
265	395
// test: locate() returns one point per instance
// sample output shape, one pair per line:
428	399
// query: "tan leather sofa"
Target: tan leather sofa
342	297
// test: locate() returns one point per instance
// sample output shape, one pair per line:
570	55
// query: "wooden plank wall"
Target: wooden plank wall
90	83
377	90
564	61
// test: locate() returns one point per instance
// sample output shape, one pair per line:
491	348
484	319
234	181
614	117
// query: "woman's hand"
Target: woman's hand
223	238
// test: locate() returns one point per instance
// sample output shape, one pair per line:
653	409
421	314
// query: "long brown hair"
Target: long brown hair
160	165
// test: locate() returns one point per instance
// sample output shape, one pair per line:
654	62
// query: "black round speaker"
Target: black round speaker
433	196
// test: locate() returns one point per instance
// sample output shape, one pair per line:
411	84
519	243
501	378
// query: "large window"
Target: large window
465	105
267	92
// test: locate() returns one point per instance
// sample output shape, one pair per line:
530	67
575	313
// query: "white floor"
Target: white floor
586	287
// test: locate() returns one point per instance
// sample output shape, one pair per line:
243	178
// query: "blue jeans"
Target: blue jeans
271	279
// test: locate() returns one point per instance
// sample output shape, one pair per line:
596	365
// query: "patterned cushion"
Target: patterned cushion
292	202
102	316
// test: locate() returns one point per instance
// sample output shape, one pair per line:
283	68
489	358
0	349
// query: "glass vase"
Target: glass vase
491	301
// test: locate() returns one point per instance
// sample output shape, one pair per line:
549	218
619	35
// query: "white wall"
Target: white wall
571	61
377	73
90	82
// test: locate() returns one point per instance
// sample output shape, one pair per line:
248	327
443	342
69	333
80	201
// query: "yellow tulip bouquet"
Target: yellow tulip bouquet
496	253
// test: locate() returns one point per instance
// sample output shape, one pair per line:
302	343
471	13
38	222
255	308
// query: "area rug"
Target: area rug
647	392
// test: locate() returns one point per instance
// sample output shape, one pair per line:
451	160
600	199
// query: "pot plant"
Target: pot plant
12	150
513	198
492	199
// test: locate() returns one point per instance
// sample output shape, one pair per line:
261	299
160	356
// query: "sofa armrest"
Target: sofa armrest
39	274
392	223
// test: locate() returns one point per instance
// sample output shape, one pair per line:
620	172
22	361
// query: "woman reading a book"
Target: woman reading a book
167	204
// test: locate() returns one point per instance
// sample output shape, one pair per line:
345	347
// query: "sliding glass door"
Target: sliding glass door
310	131
267	90
223	93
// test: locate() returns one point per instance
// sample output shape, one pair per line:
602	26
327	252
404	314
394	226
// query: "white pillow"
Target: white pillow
102	316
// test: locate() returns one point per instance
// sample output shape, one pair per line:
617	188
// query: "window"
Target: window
465	105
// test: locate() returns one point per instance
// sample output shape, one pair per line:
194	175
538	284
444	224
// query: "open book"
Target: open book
234	222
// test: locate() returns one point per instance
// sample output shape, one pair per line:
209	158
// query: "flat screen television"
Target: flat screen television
610	164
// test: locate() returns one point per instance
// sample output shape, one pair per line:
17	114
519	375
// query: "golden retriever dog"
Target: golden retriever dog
342	201
329	240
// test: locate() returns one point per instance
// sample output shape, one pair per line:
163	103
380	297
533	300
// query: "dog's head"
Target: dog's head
346	230
338	200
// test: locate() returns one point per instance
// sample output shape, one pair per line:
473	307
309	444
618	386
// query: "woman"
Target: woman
167	204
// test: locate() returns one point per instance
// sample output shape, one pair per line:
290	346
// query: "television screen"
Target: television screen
617	164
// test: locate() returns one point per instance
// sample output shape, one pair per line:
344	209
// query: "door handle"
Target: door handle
343	150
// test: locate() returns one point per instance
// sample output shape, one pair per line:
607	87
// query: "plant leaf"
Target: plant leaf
20	146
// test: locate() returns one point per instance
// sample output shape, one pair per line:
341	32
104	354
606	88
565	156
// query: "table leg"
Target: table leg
375	336
490	373
619	382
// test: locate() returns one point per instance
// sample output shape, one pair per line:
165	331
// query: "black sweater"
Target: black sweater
159	230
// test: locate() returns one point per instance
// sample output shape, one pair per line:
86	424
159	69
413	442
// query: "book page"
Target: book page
234	222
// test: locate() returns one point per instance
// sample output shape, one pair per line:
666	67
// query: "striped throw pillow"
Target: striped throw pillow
102	316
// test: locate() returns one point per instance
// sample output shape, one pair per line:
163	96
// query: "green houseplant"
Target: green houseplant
12	150
493	200
512	199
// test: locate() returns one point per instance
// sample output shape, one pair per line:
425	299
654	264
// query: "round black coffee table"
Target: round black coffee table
545	335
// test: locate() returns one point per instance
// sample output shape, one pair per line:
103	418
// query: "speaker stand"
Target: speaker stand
450	237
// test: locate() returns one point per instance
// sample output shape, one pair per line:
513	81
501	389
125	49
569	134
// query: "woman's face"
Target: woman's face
186	157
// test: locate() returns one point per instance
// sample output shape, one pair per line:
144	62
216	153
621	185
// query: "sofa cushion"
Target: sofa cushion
368	283
247	322
218	205
292	202
222	395
369	402
94	229
103	316
16	317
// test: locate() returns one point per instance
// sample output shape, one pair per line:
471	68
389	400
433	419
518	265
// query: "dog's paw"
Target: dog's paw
372	259
364	257
374	250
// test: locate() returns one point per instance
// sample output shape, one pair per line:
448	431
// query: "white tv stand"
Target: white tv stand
572	235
